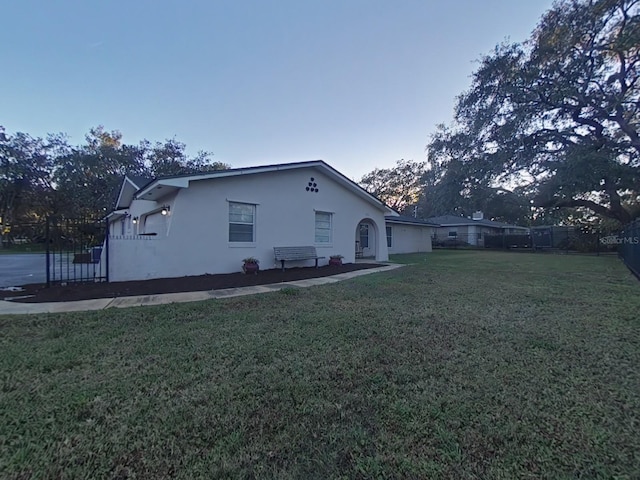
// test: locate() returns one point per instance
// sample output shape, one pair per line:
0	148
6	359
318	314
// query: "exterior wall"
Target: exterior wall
473	231
442	233
197	231
467	233
410	238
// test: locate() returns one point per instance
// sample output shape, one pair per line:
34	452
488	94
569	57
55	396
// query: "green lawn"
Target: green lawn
465	364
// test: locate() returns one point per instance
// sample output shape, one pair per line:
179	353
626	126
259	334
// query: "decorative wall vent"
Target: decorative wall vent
312	186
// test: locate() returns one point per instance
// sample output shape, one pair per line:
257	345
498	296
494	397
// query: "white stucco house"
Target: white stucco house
208	223
408	234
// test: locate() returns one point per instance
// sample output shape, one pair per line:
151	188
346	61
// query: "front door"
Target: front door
367	240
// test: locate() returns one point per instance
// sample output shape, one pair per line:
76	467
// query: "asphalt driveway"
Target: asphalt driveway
22	269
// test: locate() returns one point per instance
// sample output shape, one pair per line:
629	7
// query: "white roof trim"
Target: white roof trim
173	183
127	181
405	222
116	214
476	223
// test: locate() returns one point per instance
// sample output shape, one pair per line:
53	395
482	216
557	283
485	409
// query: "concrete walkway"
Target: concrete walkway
12	308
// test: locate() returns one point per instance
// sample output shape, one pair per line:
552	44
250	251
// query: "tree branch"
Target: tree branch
622	215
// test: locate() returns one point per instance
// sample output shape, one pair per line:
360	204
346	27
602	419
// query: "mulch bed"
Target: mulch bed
38	293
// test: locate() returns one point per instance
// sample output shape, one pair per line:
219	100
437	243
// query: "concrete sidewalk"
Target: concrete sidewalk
13	308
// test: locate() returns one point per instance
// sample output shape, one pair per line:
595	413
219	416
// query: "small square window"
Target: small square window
242	222
324	226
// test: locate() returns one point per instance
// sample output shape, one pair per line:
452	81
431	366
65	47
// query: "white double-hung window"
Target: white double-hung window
323	227
242	222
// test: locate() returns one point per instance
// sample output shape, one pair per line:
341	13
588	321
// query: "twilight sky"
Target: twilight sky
357	83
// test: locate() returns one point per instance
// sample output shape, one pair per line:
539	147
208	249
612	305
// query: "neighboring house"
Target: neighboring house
471	230
207	223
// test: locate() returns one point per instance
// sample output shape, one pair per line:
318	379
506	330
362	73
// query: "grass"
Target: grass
467	364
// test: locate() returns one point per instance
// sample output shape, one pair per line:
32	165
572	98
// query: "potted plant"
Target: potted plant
335	260
250	265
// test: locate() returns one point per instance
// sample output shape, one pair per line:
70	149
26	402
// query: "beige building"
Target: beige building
463	230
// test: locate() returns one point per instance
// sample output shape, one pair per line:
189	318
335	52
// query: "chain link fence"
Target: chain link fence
567	239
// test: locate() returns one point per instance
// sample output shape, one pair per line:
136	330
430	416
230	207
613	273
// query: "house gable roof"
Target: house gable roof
404	219
162	186
452	220
130	185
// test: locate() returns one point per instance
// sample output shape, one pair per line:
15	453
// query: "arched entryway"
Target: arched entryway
367	241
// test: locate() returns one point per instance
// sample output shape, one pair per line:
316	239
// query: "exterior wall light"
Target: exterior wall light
134	220
165	210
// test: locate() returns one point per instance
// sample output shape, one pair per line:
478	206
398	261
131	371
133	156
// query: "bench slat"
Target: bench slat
291	253
295	253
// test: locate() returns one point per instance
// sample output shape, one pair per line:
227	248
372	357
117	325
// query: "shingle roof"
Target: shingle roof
175	182
407	219
454	220
140	181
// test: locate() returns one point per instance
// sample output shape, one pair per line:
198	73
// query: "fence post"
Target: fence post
48	260
106	246
629	247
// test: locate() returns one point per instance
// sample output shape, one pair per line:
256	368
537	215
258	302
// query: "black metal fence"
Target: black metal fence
567	239
76	250
54	251
507	241
459	240
628	243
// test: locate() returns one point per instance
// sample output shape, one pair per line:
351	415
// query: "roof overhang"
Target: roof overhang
464	224
479	224
162	187
416	223
116	215
127	193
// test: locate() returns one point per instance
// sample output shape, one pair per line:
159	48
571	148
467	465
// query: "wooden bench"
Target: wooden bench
295	253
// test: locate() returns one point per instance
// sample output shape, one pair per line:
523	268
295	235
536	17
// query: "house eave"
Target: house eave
116	215
415	224
127	193
162	187
478	224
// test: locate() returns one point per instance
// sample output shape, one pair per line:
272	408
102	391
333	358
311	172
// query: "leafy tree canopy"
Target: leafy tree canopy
41	177
398	187
554	121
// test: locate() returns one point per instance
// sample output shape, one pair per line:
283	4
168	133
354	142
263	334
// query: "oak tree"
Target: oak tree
557	116
399	187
